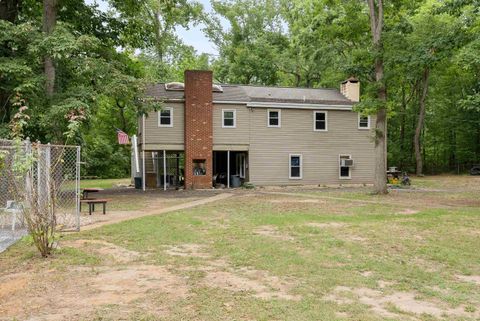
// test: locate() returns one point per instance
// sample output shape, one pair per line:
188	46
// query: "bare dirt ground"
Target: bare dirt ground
246	258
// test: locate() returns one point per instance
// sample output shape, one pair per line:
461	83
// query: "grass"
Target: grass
104	183
353	244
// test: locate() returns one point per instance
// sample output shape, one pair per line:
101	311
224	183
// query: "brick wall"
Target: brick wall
198	127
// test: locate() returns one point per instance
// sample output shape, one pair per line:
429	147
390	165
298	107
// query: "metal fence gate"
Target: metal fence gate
38	175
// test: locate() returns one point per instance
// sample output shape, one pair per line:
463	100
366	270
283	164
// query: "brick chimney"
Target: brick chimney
198	129
350	88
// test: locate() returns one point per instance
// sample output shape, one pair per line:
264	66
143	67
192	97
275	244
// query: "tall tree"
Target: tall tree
49	22
376	26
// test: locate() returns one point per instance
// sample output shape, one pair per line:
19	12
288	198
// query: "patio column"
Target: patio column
228	169
143	152
164	170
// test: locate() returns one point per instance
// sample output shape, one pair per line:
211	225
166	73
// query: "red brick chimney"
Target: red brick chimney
198	129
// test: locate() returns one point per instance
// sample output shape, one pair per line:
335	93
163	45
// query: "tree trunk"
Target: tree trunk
49	21
402	128
420	123
380	186
376	25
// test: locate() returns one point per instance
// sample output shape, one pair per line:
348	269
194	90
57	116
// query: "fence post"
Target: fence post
77	189
48	163
29	175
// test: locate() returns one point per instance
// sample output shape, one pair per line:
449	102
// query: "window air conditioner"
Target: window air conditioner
346	162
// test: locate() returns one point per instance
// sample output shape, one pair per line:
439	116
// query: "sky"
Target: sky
192	36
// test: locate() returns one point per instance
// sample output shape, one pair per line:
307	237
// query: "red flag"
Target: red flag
122	137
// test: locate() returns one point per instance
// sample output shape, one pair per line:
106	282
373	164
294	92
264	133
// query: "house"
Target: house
262	135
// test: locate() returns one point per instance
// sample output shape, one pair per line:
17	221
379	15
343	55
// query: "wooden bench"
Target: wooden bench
91	204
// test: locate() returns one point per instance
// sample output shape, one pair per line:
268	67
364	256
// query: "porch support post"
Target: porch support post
228	169
164	170
143	153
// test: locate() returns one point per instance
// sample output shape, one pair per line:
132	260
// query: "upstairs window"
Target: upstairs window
363	122
295	163
320	121
228	118
274	118
165	117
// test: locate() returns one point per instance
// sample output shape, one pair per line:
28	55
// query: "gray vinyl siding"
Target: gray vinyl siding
165	135
270	148
231	136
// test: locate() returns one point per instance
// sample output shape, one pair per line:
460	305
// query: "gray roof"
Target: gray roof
248	93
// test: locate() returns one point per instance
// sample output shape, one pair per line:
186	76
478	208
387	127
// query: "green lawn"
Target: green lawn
104	183
278	257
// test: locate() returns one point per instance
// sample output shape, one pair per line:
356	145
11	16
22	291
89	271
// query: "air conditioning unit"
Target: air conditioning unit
346	162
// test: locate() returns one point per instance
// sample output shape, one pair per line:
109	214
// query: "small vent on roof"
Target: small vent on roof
174	86
217	88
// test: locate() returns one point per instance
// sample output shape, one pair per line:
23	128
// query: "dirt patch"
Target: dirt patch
106	249
273	232
366	274
404	301
313	201
187	250
326	225
260	283
469	278
9	284
79	292
408	211
219	273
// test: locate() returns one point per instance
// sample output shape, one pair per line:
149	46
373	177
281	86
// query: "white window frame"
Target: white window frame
290	166
279	118
340	167
315	112
160	116
234	118
358	122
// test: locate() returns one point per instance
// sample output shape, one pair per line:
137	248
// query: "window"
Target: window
274	118
165	117
344	170
363	122
228	118
295	164
320	121
199	168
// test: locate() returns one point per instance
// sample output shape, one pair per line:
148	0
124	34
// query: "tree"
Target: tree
49	22
376	25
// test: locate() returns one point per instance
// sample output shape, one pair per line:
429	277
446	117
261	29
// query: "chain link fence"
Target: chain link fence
42	177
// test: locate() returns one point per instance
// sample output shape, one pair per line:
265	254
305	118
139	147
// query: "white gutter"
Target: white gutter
275	105
298	106
231	102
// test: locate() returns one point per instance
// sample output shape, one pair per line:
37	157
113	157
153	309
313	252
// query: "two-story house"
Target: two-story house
207	133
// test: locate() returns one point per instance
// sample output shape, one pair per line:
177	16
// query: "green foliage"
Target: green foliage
103	60
320	43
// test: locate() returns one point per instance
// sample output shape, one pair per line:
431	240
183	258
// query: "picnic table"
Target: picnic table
86	191
92	201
